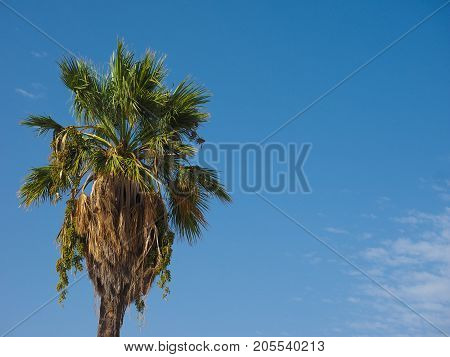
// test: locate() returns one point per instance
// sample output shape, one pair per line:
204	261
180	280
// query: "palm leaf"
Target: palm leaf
42	124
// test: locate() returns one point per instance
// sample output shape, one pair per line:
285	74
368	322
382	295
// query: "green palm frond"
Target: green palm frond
40	185
188	194
42	124
184	108
149	73
208	180
88	91
187	207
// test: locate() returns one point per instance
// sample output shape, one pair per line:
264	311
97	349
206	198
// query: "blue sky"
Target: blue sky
379	166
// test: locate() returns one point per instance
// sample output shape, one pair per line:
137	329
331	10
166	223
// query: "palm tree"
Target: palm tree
132	145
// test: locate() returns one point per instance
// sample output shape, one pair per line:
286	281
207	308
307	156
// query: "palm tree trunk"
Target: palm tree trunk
111	317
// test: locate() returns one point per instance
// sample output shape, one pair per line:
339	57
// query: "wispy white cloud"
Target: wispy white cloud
366	235
442	187
25	93
383	199
336	230
383	202
312	258
35	94
416	268
39	54
353	300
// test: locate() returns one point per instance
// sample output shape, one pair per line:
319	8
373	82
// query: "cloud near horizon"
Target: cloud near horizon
415	266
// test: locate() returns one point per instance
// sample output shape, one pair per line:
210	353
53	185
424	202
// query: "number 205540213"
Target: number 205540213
295	346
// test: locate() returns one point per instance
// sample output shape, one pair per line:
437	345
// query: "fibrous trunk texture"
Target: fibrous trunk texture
122	227
110	319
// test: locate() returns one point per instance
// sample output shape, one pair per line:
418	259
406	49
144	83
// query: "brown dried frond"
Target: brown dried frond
123	228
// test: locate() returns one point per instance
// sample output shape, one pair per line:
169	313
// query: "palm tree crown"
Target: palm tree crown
131	145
